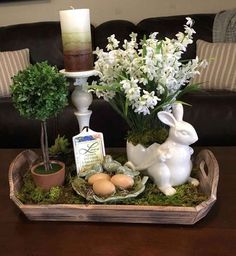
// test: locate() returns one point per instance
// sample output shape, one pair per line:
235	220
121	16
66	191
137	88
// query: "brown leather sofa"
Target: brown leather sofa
213	113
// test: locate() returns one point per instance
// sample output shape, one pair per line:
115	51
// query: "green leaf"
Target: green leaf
159	47
190	88
144	46
112	87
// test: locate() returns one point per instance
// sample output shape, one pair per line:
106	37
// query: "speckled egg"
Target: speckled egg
104	188
122	181
98	176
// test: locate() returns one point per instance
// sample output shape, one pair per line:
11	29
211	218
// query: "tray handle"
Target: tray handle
15	175
208	172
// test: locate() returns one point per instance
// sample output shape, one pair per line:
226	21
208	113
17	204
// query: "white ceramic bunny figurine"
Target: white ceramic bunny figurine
171	163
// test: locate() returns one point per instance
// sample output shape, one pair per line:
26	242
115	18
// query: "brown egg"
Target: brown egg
103	187
122	181
98	176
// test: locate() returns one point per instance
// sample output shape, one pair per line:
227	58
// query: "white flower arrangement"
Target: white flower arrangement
142	78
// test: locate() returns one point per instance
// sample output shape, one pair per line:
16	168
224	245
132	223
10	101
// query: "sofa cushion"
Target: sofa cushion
11	62
212	114
220	73
42	38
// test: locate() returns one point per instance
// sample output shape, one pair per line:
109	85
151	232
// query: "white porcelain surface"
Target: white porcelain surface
80	97
168	164
79	74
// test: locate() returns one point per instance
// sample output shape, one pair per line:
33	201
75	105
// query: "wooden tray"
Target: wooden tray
208	176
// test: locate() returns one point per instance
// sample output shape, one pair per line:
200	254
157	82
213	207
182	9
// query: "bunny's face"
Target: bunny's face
183	133
180	131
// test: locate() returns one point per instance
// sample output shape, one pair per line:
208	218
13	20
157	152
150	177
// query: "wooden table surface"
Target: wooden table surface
213	235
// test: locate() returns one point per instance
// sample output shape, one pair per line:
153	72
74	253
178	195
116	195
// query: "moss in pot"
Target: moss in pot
40	92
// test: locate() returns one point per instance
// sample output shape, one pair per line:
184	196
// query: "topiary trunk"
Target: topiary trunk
44	146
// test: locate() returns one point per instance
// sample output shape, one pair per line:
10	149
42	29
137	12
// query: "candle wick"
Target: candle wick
72	7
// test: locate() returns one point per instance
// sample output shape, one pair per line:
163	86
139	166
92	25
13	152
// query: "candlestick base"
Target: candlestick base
80	97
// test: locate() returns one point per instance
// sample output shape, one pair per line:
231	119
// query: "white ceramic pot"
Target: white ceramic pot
158	164
137	153
168	164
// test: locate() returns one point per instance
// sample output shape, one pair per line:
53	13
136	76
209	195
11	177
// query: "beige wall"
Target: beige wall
103	10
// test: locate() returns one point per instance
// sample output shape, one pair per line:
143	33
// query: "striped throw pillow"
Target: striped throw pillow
220	74
11	62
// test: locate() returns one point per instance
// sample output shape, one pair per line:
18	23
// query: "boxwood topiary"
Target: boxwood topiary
40	92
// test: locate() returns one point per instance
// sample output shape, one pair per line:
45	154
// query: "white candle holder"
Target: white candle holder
80	97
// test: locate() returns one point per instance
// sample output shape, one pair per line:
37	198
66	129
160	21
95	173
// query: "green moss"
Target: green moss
148	137
187	195
30	194
55	193
54	168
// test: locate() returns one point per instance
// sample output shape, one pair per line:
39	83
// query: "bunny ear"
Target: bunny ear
178	111
166	118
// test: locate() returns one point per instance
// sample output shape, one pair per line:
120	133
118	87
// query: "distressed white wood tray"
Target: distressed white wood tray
208	176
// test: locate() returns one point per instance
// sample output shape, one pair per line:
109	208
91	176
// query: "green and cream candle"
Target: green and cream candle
76	39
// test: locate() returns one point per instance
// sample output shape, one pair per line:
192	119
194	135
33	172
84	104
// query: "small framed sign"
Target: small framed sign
88	149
